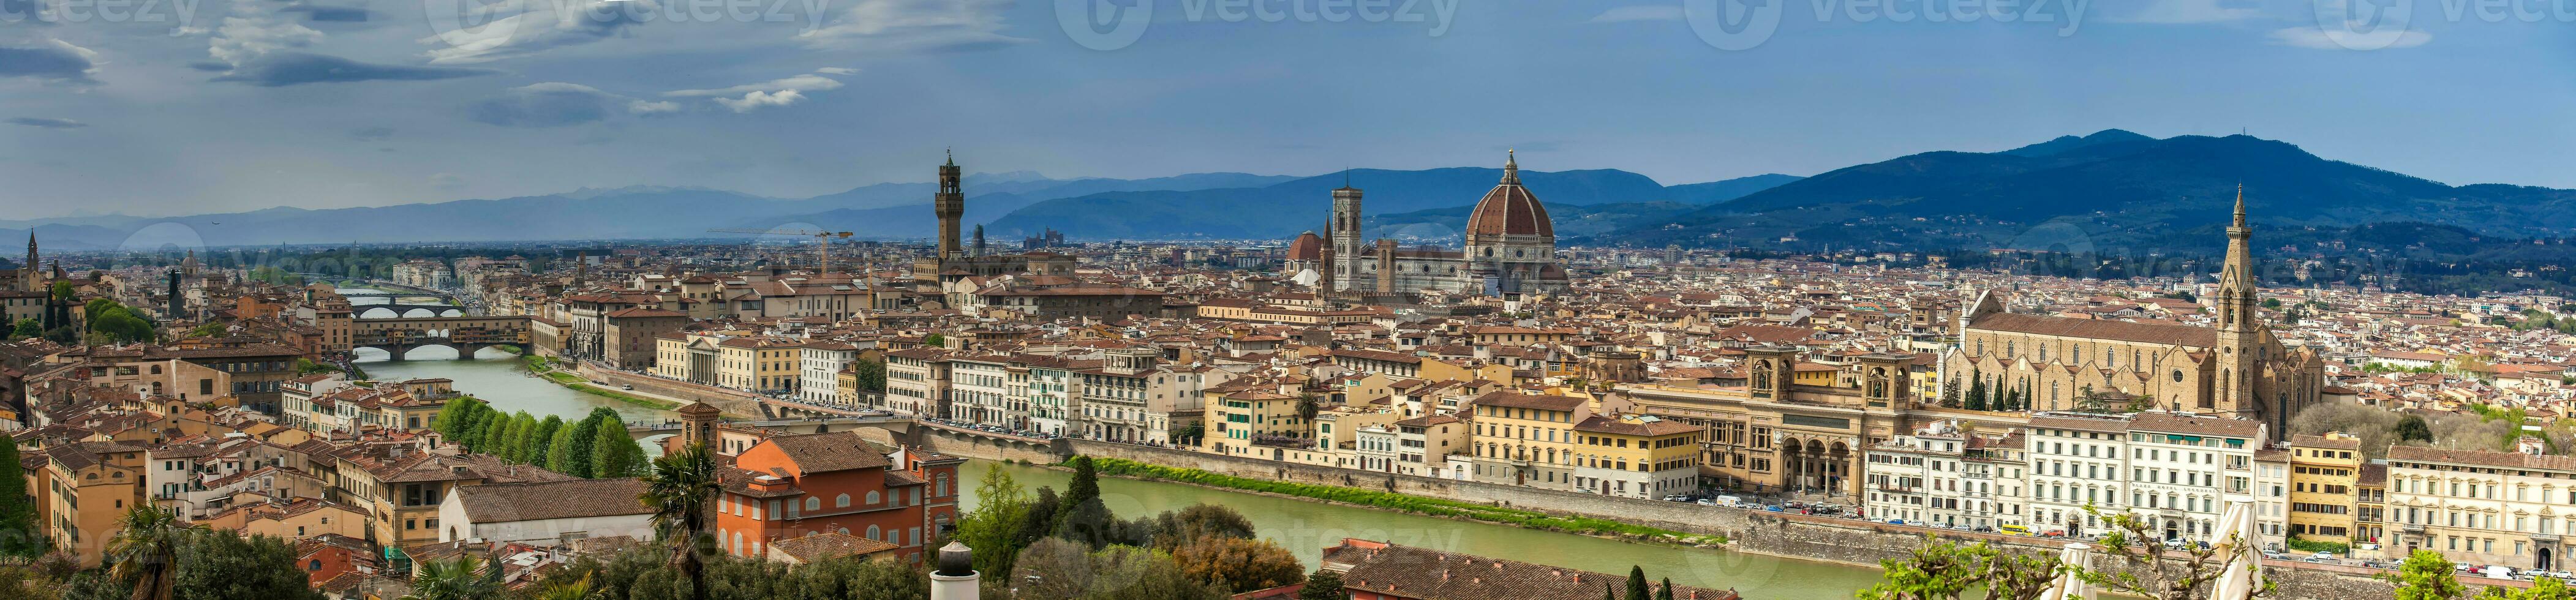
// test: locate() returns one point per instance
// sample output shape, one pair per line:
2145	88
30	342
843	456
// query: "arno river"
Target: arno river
1301	526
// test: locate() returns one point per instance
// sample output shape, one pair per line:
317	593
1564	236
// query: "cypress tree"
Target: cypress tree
18	536
1637	583
613	452
543	438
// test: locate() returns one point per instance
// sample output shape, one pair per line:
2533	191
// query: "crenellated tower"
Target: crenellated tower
950	205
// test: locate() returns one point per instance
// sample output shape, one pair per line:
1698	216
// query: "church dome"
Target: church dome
1510	209
1308	246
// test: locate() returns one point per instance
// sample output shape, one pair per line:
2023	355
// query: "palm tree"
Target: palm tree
563	589
1307	405
145	551
461	578
681	490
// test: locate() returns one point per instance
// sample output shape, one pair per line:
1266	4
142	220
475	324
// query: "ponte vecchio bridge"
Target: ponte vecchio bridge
464	334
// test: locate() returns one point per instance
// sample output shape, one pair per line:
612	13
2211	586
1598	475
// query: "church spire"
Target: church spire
2240	205
2237	287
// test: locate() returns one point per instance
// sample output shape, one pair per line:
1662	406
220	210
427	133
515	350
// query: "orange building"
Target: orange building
795	486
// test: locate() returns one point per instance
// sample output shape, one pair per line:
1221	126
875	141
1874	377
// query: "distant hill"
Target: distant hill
1721	191
2110	190
1287	208
894	210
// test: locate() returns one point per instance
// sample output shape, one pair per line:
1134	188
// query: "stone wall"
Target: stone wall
1777	534
735	403
969	445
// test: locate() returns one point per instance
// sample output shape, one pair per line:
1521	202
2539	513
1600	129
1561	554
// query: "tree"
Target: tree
2425	575
573	449
543	439
1240	564
681	490
18	534
615	453
145	550
1665	592
871	374
1131	573
1053	568
1637	583
1944	570
460	578
1307	405
2414	428
992	528
221	565
2148	572
1084	487
1977	395
1324	584
934	340
1175	529
27	328
563	588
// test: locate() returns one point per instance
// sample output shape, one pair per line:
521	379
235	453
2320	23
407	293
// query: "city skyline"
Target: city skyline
252	106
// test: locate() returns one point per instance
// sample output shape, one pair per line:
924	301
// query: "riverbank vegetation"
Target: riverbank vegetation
596	446
544	367
1436	507
1071	546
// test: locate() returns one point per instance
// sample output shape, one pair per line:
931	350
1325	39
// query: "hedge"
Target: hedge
1436	507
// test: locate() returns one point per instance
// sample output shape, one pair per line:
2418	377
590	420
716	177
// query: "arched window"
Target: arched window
841	501
872	497
813	503
873	533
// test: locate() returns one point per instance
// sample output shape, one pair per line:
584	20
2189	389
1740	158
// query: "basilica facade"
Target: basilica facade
1510	250
2236	369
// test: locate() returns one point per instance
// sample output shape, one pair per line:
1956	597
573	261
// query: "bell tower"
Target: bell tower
1344	236
2240	331
949	204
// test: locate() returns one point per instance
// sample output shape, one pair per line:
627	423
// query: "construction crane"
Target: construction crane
822	242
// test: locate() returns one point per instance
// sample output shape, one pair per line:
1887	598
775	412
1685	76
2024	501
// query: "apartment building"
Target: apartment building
819	368
1527	439
2482	507
2325	484
1635	456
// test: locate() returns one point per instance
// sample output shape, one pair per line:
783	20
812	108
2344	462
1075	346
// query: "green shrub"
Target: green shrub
1408	503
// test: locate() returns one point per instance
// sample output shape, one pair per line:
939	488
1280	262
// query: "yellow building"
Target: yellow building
1636	456
2325	474
90	486
758	364
1527	439
1246	422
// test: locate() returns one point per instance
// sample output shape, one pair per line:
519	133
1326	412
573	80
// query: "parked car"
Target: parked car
628	387
2275	555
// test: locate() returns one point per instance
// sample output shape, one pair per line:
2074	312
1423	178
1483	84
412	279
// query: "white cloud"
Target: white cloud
915	25
531	26
799	82
757	99
2191	11
836	70
1649	12
644	107
776	92
240	39
2320	39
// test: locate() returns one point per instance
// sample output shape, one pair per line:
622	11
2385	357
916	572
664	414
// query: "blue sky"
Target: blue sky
226	105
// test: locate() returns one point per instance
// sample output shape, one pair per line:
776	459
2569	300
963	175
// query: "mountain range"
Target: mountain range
2109	190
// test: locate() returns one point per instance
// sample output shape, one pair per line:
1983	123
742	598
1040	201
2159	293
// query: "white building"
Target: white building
819	369
2076	461
2184	470
545	513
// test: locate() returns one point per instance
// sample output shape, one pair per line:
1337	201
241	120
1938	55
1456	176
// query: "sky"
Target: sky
170	107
